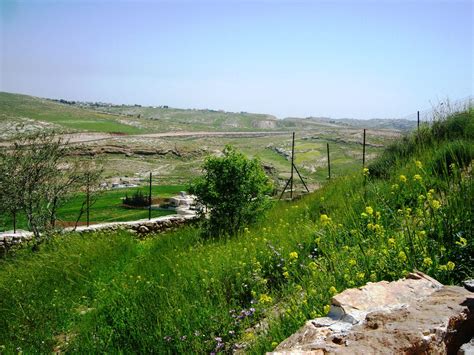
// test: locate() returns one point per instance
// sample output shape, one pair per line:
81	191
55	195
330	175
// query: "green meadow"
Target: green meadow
107	208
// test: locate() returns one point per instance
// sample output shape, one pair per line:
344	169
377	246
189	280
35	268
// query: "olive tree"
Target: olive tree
233	190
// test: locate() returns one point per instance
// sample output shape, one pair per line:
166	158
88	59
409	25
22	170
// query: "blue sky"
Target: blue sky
339	58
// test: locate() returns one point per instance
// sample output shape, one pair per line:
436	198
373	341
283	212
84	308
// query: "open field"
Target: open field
108	207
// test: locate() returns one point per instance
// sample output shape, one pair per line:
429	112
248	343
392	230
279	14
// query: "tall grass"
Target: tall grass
178	293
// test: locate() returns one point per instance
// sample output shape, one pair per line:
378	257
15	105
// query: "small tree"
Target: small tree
234	190
38	175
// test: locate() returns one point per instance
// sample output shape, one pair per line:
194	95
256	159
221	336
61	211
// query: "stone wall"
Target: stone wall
140	227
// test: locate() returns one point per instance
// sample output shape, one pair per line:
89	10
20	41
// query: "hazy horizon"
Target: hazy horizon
341	59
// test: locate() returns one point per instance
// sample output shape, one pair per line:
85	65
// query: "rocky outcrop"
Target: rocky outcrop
416	315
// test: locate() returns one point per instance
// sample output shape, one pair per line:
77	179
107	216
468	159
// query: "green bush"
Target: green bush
234	190
138	199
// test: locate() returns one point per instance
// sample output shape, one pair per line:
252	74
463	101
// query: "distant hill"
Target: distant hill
74	116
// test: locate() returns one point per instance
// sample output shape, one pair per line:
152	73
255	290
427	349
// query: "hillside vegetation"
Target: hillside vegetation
180	293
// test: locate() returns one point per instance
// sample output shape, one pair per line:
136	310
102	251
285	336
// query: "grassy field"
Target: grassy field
23	109
180	293
107	208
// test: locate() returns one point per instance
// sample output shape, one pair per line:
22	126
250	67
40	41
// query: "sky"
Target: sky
340	58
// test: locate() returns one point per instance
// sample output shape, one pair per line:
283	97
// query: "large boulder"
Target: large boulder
415	315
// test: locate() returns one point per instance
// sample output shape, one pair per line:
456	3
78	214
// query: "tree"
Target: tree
38	176
234	190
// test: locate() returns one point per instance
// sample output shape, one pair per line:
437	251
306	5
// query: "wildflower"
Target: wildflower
274	344
326	309
450	266
442	267
264	298
421	234
364	215
286	275
370	226
403	178
378	214
352	262
402	256
298	288
462	242
312	265
417	177
366	172
427	262
293	255
325	219
332	290
391	242
435	204
395	187
369	210
360	275
373	277
421	198
418	164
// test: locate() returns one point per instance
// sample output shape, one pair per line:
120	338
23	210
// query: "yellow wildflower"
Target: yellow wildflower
360	275
427	262
369	210
395	186
462	242
365	171
450	266
264	298
293	255
402	256
364	215
417	177
274	344
325	219
391	242
332	290
312	265
326	309
352	262
286	275
435	204
418	164
403	178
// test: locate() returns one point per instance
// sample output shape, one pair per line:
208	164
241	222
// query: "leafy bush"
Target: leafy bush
234	190
138	199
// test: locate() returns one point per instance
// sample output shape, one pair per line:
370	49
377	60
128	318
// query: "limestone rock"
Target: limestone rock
143	229
416	315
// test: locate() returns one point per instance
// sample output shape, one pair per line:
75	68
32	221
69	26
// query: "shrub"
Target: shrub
234	190
138	199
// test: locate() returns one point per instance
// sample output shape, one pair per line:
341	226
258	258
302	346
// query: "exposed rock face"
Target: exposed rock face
416	315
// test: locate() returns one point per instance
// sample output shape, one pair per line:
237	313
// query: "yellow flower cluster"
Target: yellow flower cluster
264	298
324	219
403	178
293	255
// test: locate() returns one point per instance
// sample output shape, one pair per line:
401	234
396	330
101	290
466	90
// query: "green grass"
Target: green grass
107	208
14	106
179	293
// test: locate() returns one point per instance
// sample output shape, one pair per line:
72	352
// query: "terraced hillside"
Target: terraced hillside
172	143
